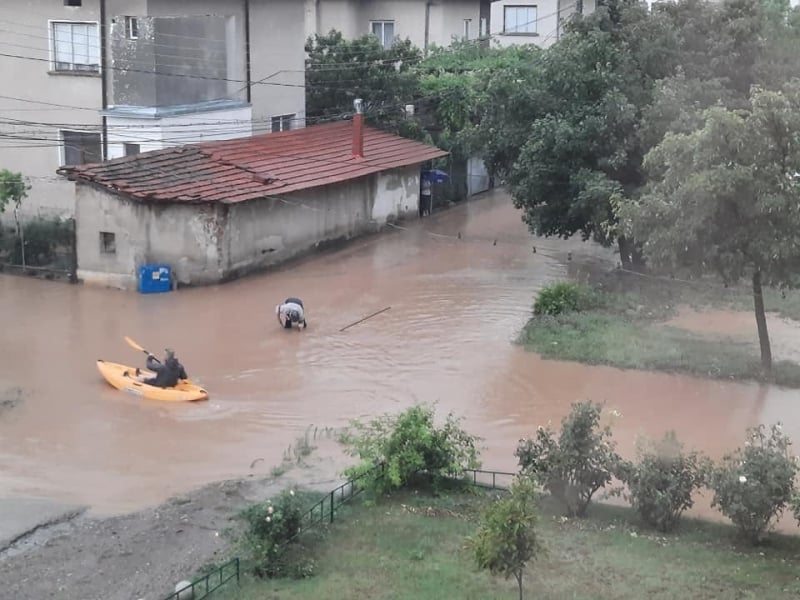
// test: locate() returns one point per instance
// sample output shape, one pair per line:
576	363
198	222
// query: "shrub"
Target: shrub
577	464
271	531
507	541
754	484
42	237
565	297
406	444
660	485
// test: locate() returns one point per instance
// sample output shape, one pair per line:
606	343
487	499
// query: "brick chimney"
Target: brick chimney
358	129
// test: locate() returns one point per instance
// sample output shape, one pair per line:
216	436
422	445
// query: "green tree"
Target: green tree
573	150
507	541
452	82
582	120
13	189
339	71
727	197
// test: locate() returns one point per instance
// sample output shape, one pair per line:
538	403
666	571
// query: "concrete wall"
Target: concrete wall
447	21
205	244
477	176
76	94
277	49
341	15
184	236
396	194
175	60
266	232
158	133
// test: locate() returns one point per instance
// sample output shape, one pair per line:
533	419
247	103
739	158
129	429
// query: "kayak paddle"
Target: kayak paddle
136	346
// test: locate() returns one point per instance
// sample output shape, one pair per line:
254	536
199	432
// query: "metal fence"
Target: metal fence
44	246
204	586
494	480
324	511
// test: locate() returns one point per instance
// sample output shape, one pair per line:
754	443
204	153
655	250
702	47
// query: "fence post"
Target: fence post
237	570
494	485
332	492
73	275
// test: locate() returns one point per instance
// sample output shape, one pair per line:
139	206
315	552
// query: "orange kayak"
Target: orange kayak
124	378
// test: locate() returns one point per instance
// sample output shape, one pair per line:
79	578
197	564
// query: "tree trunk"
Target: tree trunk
630	254
518	575
761	323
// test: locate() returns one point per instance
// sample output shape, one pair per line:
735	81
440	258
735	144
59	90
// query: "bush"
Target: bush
565	297
42	237
576	465
406	444
753	485
660	485
507	540
270	535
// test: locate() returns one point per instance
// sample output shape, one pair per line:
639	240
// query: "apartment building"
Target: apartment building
424	22
538	22
88	80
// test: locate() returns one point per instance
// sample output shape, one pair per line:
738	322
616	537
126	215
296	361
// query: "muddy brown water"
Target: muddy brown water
456	306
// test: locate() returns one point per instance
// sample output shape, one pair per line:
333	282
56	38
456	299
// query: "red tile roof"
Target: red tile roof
271	164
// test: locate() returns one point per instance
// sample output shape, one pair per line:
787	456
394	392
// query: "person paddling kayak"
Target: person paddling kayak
291	312
168	373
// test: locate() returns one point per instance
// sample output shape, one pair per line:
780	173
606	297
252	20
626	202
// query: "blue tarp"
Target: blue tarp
436	176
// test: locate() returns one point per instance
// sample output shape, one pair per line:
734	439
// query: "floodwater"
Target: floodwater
456	306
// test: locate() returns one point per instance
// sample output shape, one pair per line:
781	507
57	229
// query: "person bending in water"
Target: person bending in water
291	312
167	373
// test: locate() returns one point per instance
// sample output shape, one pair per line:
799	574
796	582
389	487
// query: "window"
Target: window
131	28
282	123
519	20
73	3
76	47
108	242
484	27
384	30
81	147
467	23
131	149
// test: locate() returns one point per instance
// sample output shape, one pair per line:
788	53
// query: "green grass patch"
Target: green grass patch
602	338
411	546
624	327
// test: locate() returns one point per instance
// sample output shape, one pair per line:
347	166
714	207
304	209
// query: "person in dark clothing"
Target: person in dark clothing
168	373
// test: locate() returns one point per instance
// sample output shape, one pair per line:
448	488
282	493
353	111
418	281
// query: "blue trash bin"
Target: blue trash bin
155	279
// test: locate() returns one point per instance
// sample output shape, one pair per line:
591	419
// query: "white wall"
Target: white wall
477	176
546	21
182	235
158	133
277	56
63	98
396	194
353	18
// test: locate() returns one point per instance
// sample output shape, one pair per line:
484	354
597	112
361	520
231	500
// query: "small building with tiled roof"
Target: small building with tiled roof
217	210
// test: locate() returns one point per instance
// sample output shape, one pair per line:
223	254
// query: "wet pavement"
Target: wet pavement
457	303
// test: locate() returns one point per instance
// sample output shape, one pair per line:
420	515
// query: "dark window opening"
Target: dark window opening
108	242
282	123
132	28
73	3
132	149
81	148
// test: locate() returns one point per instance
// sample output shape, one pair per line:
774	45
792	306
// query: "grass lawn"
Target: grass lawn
627	330
411	546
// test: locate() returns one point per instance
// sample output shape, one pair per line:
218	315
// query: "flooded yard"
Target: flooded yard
460	286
